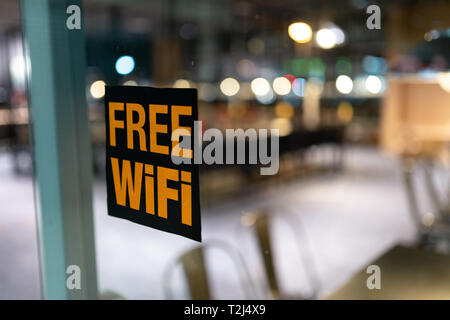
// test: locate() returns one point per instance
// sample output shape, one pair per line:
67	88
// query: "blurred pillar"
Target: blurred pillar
167	48
208	59
61	147
311	104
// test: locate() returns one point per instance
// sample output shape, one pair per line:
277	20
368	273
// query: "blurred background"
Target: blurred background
364	120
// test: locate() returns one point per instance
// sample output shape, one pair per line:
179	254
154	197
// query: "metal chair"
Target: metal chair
195	271
433	228
261	223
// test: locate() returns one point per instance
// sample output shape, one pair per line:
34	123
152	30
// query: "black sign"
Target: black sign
143	182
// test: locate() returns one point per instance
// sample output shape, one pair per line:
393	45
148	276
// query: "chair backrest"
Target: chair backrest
440	209
195	270
262	225
194	267
265	246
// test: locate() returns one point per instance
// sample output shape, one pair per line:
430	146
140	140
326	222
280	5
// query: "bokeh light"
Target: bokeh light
339	35
298	87
316	67
267	98
130	83
298	66
300	32
374	65
17	68
345	111
97	89
343	66
260	86
290	77
373	84
125	65
344	84
284	110
281	86
283	125
181	84
325	38
229	87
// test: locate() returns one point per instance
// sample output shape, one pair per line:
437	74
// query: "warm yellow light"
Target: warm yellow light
444	80
260	86
326	38
283	125
428	219
284	110
373	84
229	86
97	89
236	109
130	83
281	86
344	84
300	32
181	83
345	111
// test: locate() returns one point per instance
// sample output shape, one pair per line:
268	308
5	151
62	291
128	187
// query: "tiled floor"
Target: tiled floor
347	218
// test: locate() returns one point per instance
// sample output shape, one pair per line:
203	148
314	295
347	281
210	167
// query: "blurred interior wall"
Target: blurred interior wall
415	117
408	21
